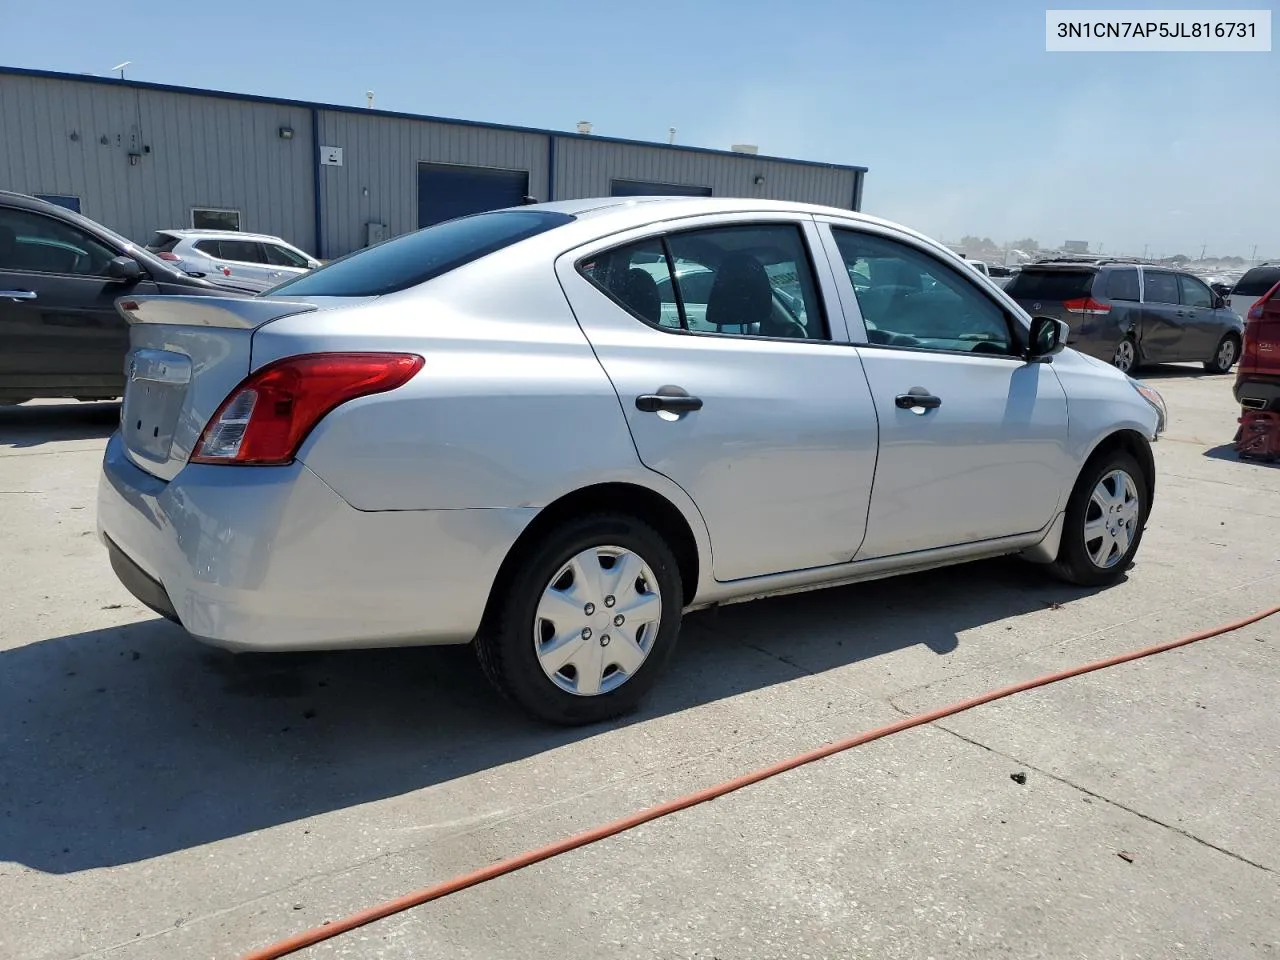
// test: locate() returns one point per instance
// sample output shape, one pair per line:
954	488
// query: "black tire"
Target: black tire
1215	365
506	648
1074	563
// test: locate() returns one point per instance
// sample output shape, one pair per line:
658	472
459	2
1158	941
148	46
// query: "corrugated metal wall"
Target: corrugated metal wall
378	179
585	167
205	151
226	152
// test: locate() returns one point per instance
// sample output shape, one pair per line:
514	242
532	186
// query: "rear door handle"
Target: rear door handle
17	294
671	402
918	402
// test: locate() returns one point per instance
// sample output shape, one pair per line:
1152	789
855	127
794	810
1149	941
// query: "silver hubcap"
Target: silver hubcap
1111	521
1226	354
597	620
1124	356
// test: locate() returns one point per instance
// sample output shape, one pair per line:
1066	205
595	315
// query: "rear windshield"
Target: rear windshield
162	243
418	257
1257	282
1051	284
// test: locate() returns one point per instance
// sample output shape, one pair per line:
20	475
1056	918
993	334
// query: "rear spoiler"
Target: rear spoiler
243	313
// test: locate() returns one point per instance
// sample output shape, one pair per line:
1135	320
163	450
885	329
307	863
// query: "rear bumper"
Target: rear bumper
1258	391
271	558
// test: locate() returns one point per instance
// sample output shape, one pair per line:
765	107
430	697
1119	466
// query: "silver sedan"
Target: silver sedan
549	431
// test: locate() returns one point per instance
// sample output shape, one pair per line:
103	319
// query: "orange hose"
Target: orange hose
316	935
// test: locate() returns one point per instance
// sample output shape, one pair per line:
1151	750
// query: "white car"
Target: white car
553	429
246	261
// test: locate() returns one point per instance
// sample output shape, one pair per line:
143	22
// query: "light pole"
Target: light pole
120	67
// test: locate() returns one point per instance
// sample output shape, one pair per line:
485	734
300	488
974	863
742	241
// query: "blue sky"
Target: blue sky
967	124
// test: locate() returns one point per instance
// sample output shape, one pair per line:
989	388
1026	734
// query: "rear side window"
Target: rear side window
162	243
415	258
1257	282
1160	287
745	280
244	251
1032	284
1123	285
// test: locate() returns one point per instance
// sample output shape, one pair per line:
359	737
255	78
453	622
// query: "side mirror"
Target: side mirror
1048	336
124	269
1219	301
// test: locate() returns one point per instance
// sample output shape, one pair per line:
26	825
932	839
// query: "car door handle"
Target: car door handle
17	294
671	402
917	401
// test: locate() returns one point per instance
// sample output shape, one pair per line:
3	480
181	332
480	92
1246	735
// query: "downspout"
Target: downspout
315	181
551	167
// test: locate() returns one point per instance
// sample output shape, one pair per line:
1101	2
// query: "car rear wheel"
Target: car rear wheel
586	621
1125	358
1224	358
1104	521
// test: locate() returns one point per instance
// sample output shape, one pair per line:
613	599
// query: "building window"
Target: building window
211	218
646	188
62	200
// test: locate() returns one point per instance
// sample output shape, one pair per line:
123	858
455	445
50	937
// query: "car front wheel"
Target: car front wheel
1104	521
588	619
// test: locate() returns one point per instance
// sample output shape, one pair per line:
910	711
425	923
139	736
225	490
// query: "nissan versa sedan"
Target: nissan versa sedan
508	430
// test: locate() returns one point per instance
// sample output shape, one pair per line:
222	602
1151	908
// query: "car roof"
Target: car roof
184	233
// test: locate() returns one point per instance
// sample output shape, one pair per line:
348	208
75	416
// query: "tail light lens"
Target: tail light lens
265	419
1255	312
1087	306
166	255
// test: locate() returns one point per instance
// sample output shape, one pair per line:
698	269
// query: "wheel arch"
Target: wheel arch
632	499
1133	443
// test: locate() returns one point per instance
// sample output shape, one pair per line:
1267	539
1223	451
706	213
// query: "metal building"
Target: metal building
139	157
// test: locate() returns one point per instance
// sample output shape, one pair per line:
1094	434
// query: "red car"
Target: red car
1258	376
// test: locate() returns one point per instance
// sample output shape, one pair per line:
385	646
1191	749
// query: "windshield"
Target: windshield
417	257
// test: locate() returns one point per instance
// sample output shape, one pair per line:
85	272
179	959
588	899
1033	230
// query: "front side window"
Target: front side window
750	280
33	243
1160	287
910	299
1195	293
279	256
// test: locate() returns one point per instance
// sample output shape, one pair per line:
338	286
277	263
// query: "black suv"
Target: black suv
1131	313
60	275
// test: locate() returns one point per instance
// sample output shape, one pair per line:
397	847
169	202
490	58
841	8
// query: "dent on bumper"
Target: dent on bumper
272	559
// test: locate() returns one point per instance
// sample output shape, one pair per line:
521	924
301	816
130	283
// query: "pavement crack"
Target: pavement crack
1105	799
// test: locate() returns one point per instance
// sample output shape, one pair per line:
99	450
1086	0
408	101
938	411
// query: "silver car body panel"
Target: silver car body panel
798	472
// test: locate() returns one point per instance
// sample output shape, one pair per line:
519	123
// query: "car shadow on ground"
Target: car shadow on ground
1180	371
1227	451
34	424
121	744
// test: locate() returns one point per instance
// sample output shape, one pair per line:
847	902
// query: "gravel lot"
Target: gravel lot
159	799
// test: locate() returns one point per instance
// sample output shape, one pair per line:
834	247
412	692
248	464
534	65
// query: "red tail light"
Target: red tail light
265	419
166	255
1255	312
1088	306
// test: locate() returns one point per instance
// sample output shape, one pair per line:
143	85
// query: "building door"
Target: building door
449	190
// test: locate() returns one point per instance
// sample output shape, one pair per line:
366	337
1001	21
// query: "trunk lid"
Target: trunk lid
186	354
